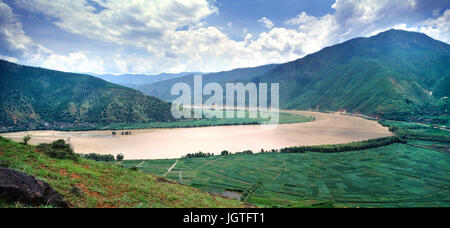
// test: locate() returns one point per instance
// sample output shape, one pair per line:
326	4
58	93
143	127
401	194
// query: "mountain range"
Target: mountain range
135	80
394	74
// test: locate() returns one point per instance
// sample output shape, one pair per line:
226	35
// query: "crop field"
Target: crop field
396	175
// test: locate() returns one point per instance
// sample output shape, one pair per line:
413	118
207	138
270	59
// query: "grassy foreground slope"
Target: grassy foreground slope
398	175
101	184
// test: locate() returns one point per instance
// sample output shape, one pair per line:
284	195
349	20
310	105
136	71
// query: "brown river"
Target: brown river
174	143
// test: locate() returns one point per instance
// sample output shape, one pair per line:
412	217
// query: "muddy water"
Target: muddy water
174	143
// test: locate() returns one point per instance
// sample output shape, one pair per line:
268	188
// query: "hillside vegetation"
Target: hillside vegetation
395	75
85	183
36	98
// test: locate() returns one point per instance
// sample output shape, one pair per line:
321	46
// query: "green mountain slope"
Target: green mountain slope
36	98
390	74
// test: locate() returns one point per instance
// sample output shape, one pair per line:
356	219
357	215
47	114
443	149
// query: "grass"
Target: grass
397	175
103	184
284	118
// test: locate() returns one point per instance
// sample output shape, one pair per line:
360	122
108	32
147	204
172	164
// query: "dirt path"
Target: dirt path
140	164
170	169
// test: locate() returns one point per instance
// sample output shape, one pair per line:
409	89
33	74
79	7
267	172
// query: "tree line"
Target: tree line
353	146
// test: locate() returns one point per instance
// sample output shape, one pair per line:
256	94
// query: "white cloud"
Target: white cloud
21	47
302	18
74	62
123	22
13	39
266	22
438	28
366	18
10	59
154	26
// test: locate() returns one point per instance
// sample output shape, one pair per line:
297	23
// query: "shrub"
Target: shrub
198	155
245	152
5	163
120	157
26	139
59	149
76	191
100	157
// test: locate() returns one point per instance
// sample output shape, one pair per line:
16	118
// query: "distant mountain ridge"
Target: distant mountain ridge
135	80
162	89
394	74
37	98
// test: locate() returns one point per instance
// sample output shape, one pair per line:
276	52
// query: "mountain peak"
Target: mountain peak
400	33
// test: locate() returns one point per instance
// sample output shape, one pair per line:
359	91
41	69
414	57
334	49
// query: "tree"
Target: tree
120	157
224	153
26	139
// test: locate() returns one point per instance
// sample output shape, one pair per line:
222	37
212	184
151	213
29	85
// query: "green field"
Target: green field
391	176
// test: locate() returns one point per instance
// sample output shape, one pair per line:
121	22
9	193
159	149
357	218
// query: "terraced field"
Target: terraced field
411	175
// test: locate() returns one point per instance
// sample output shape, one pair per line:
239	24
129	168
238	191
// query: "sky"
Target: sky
155	36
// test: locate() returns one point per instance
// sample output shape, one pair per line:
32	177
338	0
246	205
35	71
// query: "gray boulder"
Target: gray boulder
19	187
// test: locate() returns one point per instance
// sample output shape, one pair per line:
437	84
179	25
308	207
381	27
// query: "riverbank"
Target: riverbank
207	120
175	143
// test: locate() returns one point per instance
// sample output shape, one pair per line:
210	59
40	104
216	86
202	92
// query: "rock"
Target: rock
19	187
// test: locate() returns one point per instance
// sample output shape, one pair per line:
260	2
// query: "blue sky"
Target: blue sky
154	36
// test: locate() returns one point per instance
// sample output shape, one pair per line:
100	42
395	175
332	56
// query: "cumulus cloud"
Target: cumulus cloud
302	18
14	43
122	22
266	22
438	28
365	18
74	62
9	58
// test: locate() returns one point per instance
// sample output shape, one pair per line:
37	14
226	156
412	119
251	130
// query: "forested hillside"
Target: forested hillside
395	74
37	98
